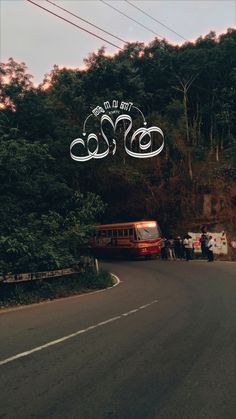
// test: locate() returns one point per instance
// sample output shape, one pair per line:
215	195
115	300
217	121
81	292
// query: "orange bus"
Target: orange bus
138	238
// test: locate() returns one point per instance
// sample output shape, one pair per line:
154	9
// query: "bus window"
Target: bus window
114	233
120	233
145	232
103	233
131	232
109	233
125	232
139	237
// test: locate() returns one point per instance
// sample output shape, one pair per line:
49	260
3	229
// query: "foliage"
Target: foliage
40	290
49	202
41	216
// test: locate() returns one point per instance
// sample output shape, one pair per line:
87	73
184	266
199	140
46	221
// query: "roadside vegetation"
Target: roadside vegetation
49	202
21	293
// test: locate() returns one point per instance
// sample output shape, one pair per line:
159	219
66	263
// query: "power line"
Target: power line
73	24
119	11
86	21
91	33
153	18
130	18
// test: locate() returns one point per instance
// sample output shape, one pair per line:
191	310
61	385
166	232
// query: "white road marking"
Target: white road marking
117	281
72	335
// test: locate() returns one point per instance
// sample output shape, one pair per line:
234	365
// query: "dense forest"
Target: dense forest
48	200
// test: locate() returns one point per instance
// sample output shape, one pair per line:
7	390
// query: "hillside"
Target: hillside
47	197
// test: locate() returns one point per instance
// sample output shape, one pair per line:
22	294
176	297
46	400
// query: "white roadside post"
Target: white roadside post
96	265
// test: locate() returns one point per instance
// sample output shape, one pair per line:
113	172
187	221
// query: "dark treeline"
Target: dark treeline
46	197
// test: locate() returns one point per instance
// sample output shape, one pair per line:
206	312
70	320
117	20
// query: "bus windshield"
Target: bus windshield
147	232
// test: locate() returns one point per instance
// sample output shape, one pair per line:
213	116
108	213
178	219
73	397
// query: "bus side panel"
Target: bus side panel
132	251
145	249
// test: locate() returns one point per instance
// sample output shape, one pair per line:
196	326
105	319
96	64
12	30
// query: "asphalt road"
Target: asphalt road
161	344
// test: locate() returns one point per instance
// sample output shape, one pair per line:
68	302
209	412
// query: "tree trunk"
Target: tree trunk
222	142
211	135
199	129
217	152
190	170
186	115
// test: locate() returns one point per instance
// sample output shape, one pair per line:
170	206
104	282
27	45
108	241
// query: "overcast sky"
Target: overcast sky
41	40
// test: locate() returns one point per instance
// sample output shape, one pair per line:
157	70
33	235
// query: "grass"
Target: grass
14	294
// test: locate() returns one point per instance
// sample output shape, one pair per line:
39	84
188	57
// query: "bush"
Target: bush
34	291
104	279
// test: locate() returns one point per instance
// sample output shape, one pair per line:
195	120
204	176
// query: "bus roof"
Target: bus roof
130	224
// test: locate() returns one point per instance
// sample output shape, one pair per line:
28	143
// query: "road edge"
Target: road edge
25	306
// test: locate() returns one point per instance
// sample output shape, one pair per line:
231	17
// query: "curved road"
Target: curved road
161	344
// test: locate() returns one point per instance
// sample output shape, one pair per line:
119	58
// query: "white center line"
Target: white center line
72	335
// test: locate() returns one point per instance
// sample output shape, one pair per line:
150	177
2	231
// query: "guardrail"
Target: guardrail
36	275
32	276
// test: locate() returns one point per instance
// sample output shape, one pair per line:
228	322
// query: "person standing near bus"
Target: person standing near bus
204	242
171	249
163	244
178	247
188	247
191	247
210	246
